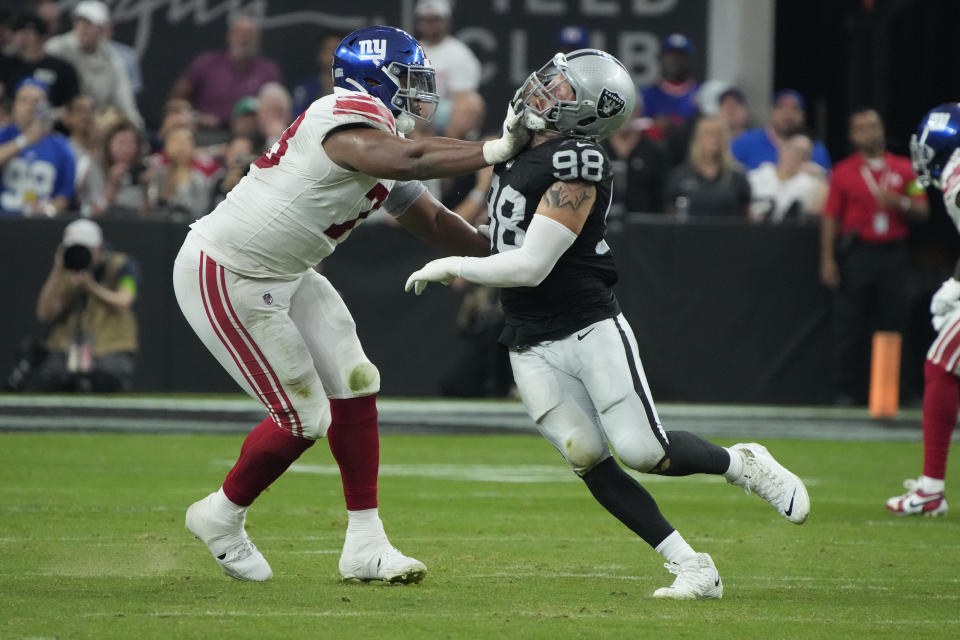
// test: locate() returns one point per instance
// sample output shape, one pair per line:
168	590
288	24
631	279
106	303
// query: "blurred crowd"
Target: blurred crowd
73	143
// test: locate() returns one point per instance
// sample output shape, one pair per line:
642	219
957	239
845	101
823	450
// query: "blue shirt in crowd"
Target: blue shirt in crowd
679	101
38	173
754	147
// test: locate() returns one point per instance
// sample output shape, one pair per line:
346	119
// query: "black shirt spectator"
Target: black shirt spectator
28	59
638	170
710	183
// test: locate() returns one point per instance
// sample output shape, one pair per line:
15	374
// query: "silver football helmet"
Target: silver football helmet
603	94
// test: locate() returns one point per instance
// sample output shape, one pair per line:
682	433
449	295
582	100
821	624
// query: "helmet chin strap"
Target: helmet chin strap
405	123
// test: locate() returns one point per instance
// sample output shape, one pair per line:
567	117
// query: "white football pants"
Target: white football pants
588	390
291	344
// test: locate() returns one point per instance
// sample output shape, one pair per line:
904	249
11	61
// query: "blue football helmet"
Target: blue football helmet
391	65
937	137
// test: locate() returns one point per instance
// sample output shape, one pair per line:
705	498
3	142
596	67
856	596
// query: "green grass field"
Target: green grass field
92	545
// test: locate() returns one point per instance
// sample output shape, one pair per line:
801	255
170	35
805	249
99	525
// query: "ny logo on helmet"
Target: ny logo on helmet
938	121
609	104
373	49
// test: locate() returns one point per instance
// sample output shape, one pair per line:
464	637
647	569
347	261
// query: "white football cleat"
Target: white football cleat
770	480
225	537
916	502
377	559
697	579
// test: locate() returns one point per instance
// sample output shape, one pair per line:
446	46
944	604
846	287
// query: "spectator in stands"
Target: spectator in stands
274	112
638	168
238	155
49	12
216	80
101	72
89	182
129	59
29	60
710	183
572	37
177	112
244	121
461	109
863	258
178	189
792	189
125	193
320	83
732	109
87	301
36	164
6	30
672	101
787	116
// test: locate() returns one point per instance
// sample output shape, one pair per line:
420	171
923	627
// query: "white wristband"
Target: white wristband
21	142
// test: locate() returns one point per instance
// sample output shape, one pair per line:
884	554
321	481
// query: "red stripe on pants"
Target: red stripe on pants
291	412
242	355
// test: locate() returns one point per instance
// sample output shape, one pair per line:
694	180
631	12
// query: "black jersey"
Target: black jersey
577	292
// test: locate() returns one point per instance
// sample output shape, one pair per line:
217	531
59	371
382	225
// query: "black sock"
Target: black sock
689	453
630	503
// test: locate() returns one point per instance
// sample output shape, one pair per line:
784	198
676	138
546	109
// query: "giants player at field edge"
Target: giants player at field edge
245	281
574	356
935	153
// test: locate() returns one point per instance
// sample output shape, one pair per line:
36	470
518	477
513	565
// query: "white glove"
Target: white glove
484	230
442	270
938	322
946	298
514	139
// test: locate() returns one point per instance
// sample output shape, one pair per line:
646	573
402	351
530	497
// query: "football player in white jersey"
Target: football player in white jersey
574	356
245	281
935	153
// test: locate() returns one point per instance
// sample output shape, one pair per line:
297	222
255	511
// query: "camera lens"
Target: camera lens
77	257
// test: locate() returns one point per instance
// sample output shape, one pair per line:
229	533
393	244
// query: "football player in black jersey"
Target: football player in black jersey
573	353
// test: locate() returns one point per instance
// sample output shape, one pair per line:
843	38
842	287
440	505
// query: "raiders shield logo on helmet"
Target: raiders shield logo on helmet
609	104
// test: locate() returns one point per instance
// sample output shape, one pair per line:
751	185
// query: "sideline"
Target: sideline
225	414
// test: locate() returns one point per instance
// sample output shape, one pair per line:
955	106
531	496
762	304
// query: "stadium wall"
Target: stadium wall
722	312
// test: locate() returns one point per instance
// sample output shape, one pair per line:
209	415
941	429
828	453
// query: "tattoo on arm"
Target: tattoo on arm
568	195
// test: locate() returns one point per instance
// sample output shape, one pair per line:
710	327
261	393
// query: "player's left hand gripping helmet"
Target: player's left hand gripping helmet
390	64
604	94
936	139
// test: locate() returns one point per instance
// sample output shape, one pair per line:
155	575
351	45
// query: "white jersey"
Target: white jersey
296	205
458	69
951	187
772	199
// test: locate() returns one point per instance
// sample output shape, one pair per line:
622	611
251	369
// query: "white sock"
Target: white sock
223	503
675	549
365	522
735	470
931	485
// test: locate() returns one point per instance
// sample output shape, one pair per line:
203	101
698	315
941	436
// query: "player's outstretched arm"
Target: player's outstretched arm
380	154
427	219
559	218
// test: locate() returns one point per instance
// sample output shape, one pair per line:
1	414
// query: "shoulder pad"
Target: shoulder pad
359	107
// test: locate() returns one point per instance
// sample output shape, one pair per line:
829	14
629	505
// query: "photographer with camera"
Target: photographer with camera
37	167
87	301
